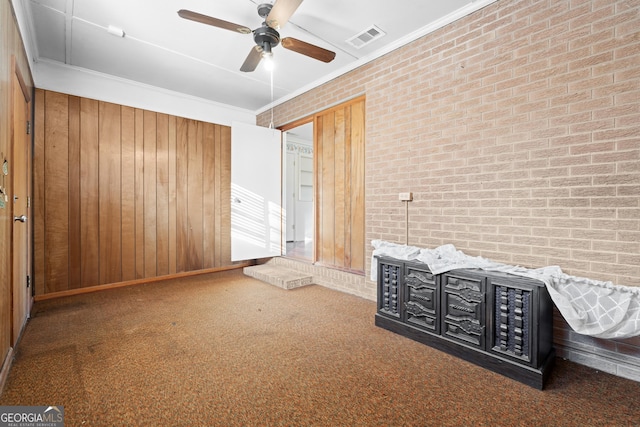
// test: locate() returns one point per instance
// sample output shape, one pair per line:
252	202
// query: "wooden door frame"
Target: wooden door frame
287	127
313	118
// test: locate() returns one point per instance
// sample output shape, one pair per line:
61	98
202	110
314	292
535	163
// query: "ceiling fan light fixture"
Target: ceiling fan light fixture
267	56
267	60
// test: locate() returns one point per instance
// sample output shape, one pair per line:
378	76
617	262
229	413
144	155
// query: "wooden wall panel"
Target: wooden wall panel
348	186
150	193
89	186
162	195
339	155
327	198
139	190
173	129
38	196
341	144
182	226
194	194
208	203
128	194
110	193
223	197
56	192
357	172
356	178
75	240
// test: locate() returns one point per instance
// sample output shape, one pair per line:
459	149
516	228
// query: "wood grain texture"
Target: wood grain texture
162	195
208	203
223	191
341	144
89	187
139	190
110	216
56	192
150	194
327	201
339	157
348	185
21	294
75	241
357	162
144	194
38	195
182	208
318	129
173	139
194	193
128	193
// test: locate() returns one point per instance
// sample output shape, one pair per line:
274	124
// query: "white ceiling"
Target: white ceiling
163	50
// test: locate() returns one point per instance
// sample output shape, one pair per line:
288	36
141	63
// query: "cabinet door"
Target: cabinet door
521	330
389	277
421	298
511	334
463	308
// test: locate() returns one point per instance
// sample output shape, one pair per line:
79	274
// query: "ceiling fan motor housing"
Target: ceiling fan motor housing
266	36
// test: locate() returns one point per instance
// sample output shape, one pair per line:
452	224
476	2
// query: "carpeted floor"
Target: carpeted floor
227	350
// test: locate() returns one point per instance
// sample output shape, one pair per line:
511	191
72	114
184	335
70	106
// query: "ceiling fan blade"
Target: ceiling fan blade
281	12
204	19
253	59
308	49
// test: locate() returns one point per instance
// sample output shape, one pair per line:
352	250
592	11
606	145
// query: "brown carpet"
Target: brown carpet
227	350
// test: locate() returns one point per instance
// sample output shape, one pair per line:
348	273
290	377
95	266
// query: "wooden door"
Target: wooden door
20	204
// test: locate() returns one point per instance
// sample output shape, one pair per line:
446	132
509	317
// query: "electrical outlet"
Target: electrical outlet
405	197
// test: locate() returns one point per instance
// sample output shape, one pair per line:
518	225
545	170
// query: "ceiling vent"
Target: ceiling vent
365	37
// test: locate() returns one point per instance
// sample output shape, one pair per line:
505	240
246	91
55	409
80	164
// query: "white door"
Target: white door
256	192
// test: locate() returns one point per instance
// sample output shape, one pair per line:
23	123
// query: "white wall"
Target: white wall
62	78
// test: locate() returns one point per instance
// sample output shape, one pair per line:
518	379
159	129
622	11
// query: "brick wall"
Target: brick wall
517	129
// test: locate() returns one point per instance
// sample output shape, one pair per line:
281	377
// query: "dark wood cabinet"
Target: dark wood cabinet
500	321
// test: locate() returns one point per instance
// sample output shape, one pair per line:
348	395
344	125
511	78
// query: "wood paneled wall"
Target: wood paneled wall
126	194
340	186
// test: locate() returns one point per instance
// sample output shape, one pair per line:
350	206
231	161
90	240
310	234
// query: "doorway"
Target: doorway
333	219
299	192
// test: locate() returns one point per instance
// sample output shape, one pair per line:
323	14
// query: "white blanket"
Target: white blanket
590	307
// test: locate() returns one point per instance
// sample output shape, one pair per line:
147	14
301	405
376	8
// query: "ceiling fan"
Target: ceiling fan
266	36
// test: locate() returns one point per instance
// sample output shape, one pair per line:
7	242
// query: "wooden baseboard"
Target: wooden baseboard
98	288
6	367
